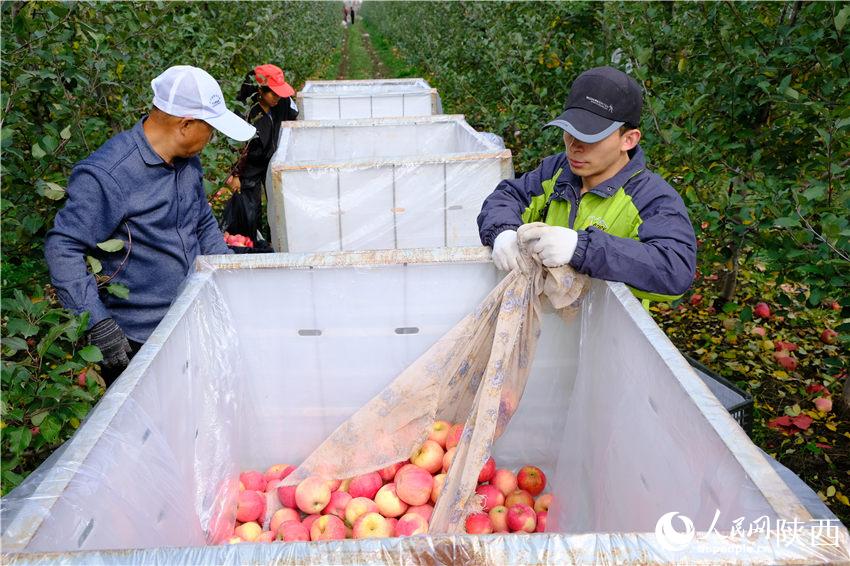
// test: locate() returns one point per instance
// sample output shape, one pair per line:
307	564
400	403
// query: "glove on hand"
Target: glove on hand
506	251
112	342
554	245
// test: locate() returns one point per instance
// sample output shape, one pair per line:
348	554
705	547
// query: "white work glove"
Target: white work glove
554	245
506	251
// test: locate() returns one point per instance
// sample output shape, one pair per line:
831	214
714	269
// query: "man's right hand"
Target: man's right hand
112	342
506	251
234	183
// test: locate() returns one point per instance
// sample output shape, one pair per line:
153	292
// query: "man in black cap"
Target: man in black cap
596	206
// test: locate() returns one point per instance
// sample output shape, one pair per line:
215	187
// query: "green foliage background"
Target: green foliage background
747	114
73	75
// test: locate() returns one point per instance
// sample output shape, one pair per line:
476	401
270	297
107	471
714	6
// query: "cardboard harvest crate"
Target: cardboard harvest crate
262	356
372	98
381	184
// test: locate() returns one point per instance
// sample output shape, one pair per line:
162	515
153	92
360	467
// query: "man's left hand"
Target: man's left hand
554	245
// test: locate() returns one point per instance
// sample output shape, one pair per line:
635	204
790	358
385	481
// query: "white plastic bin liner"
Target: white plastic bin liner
624	429
373	98
381	184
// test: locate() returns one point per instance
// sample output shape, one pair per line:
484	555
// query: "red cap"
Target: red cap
272	77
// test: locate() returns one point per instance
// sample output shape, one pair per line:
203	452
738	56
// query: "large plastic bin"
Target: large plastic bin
381	184
373	98
262	356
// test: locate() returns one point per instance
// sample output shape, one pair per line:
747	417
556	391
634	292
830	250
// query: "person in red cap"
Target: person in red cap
271	101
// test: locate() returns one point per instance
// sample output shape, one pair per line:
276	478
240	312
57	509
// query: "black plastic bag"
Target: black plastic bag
241	216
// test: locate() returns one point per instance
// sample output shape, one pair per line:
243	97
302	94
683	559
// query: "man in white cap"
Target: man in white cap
144	187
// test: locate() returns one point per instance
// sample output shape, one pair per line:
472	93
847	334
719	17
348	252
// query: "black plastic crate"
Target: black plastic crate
737	402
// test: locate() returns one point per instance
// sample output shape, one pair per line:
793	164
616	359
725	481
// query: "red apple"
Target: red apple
439	480
520	496
312	495
388	474
541	521
487	471
424	510
389	505
327	527
248	531
759	331
823	404
429	456
696	299
372	525
281	516
277	472
253	480
828	336
411	524
357	507
392	522
505	480
250	506
337	504
531	479
286	495
439	432
478	524
309	519
491	495
292	531
265	536
414	485
762	310
448	457
366	485
788	362
521	518
543	502
499	519
453	439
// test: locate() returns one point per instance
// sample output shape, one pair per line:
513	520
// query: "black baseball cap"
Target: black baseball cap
601	100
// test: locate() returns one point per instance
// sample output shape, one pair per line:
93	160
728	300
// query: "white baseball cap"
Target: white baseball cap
190	92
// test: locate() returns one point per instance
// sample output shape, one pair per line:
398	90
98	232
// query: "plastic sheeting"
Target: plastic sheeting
374	98
262	357
381	184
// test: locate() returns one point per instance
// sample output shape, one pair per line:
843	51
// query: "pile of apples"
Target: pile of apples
238	240
394	501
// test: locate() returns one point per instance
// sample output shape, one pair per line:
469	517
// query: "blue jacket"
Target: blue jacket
632	228
125	185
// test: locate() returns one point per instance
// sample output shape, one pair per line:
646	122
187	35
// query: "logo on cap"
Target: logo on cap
215	100
608	107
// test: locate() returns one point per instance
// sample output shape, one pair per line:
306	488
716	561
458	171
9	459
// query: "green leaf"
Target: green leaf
111	245
786	222
119	290
37	152
51	190
91	354
22	327
815	192
842	123
65	134
19	439
50	428
791	93
14	343
49	143
841	18
37	418
94	263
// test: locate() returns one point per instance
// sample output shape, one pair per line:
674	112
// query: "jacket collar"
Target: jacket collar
149	156
637	162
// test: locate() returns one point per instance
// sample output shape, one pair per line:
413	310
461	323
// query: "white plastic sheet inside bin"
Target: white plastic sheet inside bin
624	429
373	98
381	184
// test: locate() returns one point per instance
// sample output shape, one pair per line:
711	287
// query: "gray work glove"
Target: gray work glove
113	344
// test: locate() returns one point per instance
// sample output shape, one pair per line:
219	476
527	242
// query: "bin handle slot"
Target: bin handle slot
407	330
85	534
309	332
